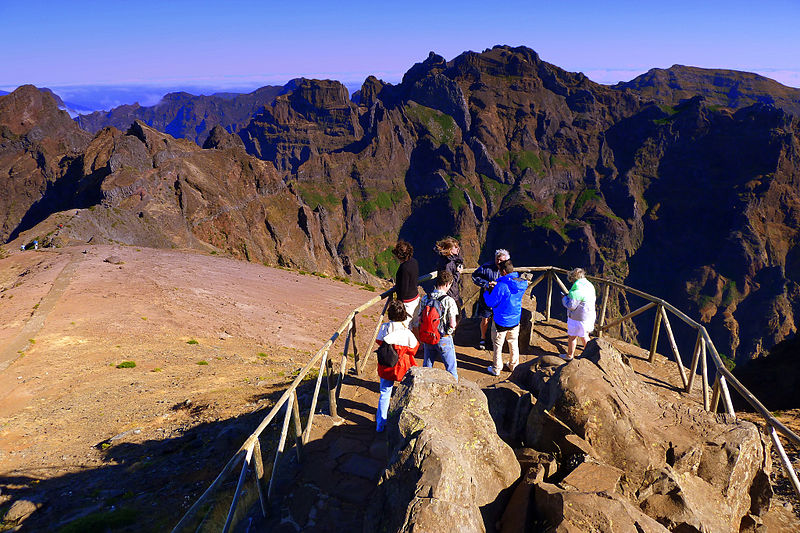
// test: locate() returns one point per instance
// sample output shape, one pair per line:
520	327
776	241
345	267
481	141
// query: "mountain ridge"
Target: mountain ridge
502	149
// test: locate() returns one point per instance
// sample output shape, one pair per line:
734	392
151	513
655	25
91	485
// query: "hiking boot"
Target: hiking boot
565	357
483	345
493	371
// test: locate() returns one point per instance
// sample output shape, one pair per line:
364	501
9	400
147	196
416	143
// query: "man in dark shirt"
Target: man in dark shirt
406	280
485	277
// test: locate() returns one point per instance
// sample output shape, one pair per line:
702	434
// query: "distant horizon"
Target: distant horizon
90	97
249	43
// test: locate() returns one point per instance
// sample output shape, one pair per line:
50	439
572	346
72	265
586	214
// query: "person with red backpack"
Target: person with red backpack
397	347
437	322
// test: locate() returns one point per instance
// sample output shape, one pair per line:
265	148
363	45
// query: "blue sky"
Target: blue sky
244	44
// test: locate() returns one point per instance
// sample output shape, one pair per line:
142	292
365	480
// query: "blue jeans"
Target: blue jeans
445	351
383	404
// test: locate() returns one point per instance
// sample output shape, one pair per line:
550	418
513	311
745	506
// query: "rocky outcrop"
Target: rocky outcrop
143	187
626	449
38	144
449	471
219	138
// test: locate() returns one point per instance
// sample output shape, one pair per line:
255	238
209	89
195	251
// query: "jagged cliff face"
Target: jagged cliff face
185	115
38	143
693	201
143	187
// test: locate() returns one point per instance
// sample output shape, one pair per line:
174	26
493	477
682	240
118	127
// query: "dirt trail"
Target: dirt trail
17	346
213	341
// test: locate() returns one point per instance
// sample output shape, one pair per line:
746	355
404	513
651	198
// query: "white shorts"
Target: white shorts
579	329
412	310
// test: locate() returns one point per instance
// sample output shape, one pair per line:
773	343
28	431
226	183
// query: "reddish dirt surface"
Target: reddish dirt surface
213	339
96	446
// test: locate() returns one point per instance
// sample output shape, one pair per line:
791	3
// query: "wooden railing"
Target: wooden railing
249	454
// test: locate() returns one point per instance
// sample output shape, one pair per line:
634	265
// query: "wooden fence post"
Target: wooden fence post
715	393
259	468
726	396
674	346
695	360
281	444
606	292
238	491
332	392
298	427
360	369
787	464
549	295
656	329
704	375
343	366
313	407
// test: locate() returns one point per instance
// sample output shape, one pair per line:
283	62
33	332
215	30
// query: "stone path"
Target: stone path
330	489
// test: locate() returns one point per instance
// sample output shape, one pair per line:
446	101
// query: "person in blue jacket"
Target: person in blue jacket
485	277
505	299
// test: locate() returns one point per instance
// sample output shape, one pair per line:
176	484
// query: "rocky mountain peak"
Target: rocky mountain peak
433	64
315	96
220	138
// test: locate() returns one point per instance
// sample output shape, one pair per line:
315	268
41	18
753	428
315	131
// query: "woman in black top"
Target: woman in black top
450	259
406	280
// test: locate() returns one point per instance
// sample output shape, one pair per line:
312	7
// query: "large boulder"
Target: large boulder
683	466
449	470
568	511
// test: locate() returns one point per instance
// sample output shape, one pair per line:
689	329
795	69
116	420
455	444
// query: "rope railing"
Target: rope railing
249	454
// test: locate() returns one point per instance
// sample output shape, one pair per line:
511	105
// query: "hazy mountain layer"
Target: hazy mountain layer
185	115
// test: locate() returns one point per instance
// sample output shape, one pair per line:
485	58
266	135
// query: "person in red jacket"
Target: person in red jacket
404	342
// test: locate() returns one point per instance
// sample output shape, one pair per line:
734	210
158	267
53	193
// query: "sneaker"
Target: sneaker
492	371
565	357
483	345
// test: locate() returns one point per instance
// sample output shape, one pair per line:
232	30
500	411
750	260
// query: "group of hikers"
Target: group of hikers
431	319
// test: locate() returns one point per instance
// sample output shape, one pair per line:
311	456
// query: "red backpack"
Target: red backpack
431	327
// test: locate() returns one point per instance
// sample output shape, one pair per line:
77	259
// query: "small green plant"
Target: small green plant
156	369
202	363
36	306
192	341
262	354
105	446
729	363
144	318
127	364
32	341
586	196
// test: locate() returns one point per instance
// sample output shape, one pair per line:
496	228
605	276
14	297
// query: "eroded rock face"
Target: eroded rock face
684	467
449	471
507	150
38	143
